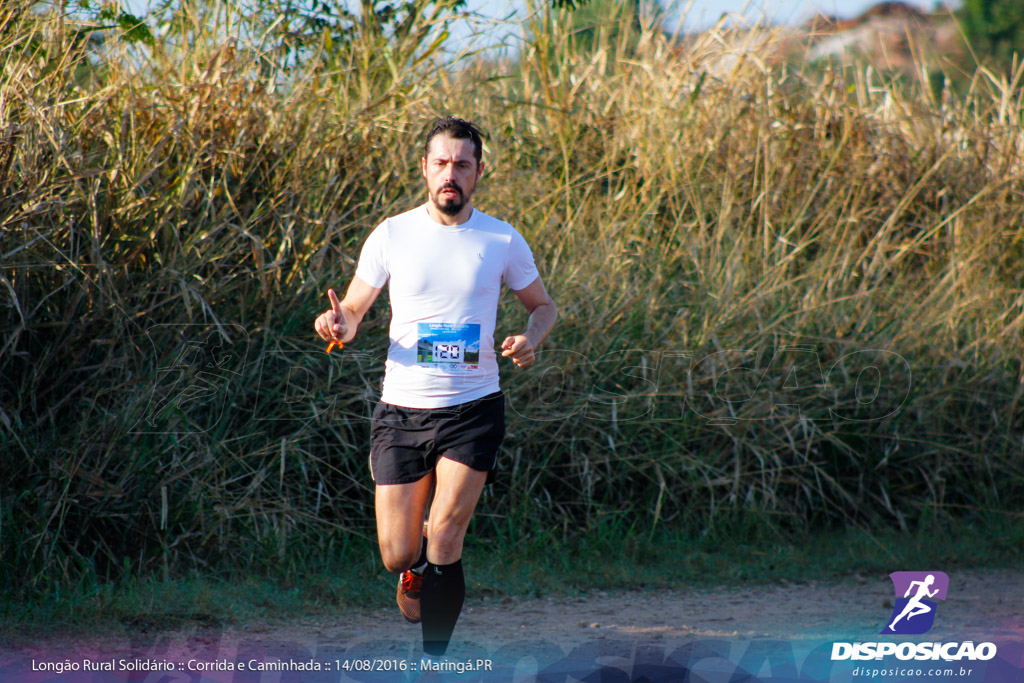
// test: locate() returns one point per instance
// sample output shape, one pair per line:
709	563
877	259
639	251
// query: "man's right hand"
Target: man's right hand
332	325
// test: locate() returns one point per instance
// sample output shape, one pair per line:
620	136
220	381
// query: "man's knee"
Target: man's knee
397	559
446	537
397	566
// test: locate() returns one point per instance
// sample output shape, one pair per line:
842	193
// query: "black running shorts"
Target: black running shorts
405	443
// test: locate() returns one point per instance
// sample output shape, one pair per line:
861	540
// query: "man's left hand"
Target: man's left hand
519	348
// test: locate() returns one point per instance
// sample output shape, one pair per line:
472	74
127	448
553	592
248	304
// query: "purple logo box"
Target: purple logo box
916	593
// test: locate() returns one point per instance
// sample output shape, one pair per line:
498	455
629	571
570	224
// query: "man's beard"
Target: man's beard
450	206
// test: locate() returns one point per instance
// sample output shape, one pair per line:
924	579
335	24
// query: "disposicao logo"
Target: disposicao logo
913	614
916	593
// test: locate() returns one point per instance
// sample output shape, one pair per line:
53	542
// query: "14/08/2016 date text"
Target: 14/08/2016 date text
404	665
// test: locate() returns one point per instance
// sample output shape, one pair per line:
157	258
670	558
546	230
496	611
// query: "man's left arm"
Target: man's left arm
520	347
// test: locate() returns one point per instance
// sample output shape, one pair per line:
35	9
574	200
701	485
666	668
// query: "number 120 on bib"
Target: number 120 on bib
447	351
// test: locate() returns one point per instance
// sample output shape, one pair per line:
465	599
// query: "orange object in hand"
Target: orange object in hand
336	307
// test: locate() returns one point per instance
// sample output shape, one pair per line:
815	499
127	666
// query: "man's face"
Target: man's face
451	171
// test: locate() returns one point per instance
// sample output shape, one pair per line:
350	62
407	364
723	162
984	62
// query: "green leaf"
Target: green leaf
135	29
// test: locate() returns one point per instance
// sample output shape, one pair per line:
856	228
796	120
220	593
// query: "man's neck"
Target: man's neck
439	216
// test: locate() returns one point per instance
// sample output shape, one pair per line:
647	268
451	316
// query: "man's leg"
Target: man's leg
457	491
458	488
400	509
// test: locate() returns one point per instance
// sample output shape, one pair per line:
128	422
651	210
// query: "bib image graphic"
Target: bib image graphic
449	346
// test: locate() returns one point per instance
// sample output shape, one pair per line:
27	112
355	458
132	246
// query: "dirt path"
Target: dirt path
979	604
605	629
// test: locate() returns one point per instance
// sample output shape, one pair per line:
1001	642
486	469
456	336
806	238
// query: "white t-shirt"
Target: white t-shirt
444	282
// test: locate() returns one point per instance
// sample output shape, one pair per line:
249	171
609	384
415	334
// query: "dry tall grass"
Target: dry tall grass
786	292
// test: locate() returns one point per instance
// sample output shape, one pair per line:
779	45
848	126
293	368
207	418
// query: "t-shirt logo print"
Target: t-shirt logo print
916	592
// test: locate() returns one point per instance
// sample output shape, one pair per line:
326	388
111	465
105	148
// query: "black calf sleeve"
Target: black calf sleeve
441	598
423	557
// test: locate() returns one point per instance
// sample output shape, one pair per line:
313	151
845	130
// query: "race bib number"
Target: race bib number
448	346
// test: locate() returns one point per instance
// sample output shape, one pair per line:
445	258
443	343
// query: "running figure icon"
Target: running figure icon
915	606
919	591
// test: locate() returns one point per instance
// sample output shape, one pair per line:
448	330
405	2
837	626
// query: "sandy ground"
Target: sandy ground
605	627
979	605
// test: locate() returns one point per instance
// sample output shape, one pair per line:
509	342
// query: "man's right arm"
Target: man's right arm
341	321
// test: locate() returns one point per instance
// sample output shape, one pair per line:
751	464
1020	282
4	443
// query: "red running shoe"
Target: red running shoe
409	585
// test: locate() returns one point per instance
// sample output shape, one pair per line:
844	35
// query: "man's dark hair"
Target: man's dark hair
457	128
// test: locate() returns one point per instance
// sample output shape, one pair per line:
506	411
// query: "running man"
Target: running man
440	419
914	606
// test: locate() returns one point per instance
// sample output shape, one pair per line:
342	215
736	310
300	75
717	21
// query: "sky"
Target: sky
490	29
705	12
702	13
